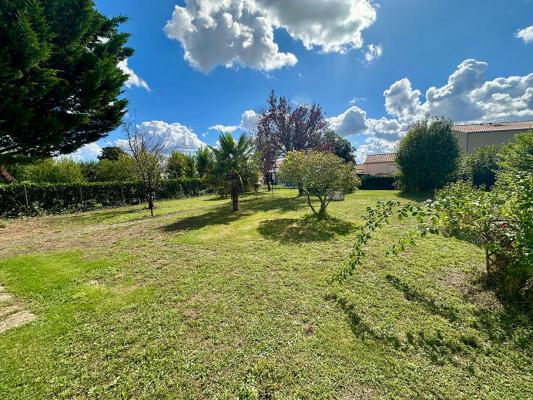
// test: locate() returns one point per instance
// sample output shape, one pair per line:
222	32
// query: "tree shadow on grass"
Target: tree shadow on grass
219	216
301	230
439	348
429	304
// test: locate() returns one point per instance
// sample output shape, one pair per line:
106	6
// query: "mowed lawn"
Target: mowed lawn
201	303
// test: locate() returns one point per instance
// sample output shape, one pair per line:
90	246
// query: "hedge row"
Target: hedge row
376	182
31	199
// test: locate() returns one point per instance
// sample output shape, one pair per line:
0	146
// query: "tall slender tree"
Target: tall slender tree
59	81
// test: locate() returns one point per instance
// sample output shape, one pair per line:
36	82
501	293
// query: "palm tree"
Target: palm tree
235	164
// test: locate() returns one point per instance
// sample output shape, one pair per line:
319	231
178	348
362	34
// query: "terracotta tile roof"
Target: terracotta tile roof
379	158
494	127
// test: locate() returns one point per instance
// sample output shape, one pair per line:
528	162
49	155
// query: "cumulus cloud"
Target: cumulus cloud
373	51
86	153
176	137
133	79
241	32
526	34
248	123
467	97
350	122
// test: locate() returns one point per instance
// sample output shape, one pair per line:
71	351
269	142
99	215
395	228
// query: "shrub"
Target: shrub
481	166
428	156
318	173
376	182
50	170
31	199
500	221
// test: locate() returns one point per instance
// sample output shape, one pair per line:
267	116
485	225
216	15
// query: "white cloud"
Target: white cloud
402	101
374	145
87	152
350	122
526	34
241	32
248	123
177	137
133	79
467	97
373	51
224	128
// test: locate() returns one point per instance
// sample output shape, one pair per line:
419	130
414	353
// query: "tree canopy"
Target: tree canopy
318	173
59	80
112	153
235	165
428	156
341	147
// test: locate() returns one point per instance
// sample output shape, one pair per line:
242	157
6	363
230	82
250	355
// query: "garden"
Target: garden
201	302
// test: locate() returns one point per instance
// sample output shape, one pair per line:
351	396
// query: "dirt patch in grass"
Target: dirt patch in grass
12	313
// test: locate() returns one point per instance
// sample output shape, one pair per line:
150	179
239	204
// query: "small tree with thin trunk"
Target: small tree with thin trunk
319	173
147	150
235	165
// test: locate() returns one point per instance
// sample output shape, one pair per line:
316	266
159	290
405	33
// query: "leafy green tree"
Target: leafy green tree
235	165
52	170
181	165
319	173
481	166
123	169
204	161
341	147
112	153
59	81
428	156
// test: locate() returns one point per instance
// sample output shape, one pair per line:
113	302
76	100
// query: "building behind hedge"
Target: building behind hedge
474	136
470	137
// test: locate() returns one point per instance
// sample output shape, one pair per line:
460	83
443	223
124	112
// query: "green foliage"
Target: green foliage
112	153
59	81
236	166
123	169
341	147
58	198
318	173
377	182
428	155
481	167
500	221
204	161
181	165
51	170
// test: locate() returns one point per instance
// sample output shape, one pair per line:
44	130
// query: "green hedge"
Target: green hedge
376	182
31	199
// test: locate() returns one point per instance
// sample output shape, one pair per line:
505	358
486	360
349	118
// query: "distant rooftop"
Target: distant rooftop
380	158
494	127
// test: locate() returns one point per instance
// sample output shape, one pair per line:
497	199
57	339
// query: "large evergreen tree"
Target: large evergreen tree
59	80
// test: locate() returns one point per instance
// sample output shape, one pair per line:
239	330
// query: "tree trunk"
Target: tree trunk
322	211
268	182
151	203
235	200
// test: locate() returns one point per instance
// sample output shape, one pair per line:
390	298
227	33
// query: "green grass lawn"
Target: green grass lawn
202	303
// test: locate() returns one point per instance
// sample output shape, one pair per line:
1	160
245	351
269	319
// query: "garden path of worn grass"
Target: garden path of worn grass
202	303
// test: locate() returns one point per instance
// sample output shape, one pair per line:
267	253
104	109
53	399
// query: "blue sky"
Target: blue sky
469	52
